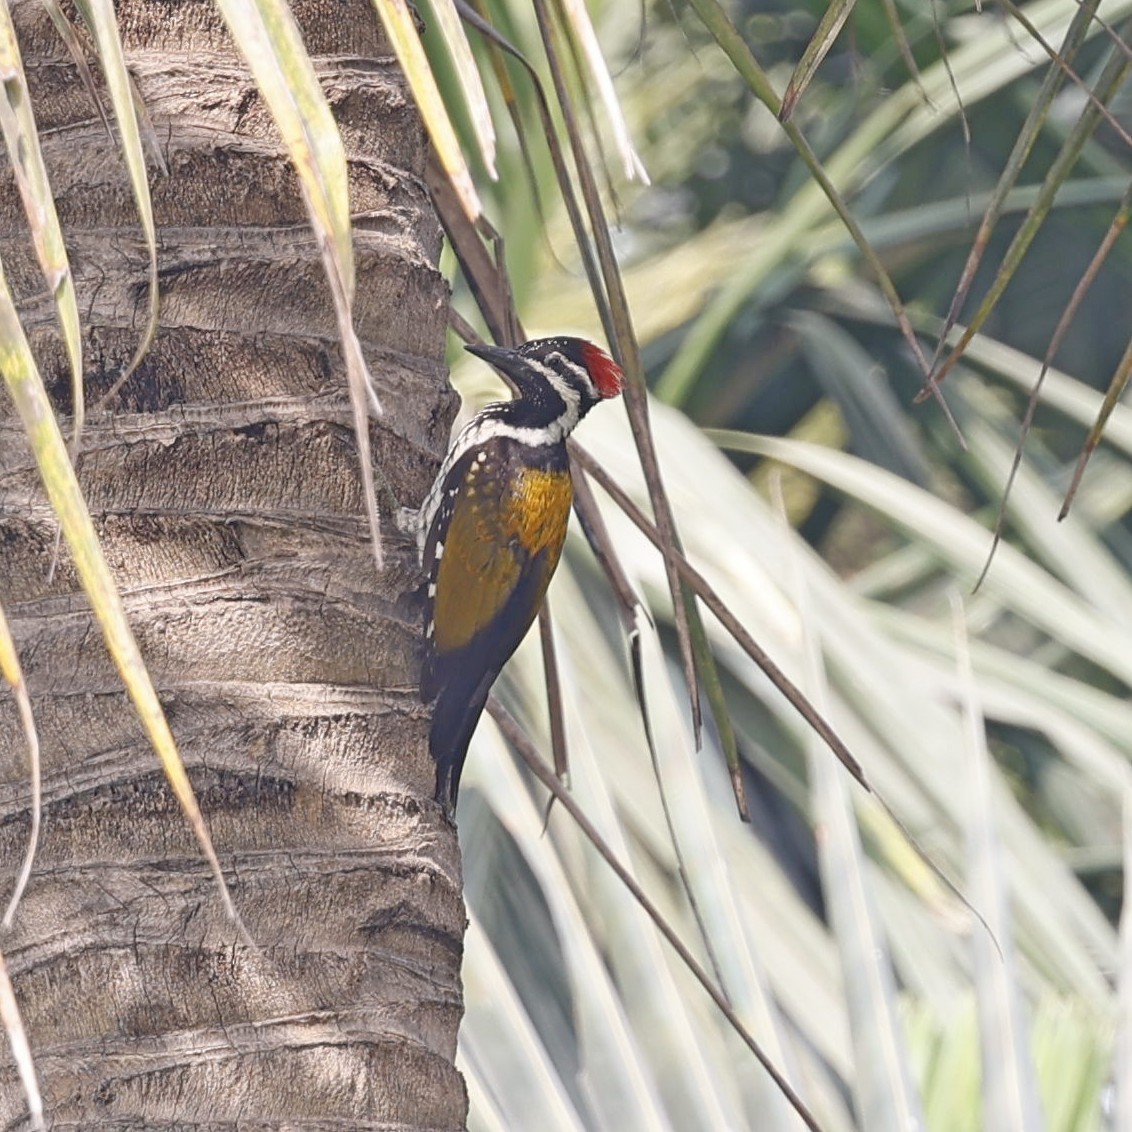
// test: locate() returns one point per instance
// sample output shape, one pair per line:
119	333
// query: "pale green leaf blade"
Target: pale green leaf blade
1066	394
269	39
827	31
1028	690
687	1054
26	160
1073	1062
483	1114
962	543
620	1083
1122	1055
581	28
400	27
891	699
1071	549
501	1047
101	19
696	819
887	1099
1010	1099
468	75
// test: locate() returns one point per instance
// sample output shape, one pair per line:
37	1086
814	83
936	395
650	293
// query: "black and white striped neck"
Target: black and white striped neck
553	394
540	418
556	381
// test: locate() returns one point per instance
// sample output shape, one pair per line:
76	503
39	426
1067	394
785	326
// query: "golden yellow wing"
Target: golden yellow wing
501	541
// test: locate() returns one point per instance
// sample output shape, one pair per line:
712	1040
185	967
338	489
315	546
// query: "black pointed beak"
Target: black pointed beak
495	356
507	363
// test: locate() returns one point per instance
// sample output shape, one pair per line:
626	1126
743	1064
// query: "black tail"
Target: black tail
455	715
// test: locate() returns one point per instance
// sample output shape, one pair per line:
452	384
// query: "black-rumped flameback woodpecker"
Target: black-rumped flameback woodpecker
491	531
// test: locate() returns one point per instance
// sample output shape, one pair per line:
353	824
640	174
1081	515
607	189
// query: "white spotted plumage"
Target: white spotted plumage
476	433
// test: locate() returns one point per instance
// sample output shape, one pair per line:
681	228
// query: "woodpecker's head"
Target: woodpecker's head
556	375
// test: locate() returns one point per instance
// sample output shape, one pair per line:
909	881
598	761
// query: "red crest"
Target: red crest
606	373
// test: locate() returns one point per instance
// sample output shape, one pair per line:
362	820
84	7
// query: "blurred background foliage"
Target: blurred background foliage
767	337
845	526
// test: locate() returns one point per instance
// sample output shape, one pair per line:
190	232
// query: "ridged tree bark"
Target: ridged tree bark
224	482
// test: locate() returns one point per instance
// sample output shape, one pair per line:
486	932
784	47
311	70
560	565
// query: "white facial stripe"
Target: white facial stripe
581	376
569	391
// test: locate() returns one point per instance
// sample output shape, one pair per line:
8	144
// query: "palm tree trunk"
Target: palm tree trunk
223	479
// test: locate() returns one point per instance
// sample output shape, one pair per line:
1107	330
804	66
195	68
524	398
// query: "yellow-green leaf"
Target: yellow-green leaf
816	50
100	18
448	21
26	158
401	28
581	27
269	38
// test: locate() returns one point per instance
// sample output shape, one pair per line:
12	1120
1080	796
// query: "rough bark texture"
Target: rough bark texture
224	483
